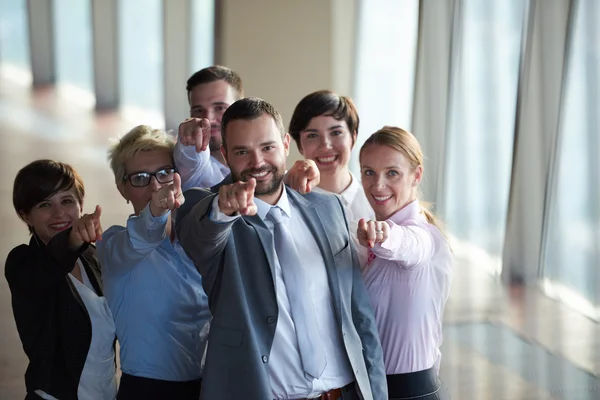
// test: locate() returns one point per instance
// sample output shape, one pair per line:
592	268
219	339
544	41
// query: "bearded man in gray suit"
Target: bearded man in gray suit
291	316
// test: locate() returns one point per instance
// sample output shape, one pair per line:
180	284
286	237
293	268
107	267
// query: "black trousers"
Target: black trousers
137	388
421	385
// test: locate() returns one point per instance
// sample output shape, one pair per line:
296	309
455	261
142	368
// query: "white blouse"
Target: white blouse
357	206
98	379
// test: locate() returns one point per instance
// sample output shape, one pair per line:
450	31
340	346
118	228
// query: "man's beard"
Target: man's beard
215	143
262	188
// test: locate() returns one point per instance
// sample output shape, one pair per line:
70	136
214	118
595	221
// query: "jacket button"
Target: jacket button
271	320
265	359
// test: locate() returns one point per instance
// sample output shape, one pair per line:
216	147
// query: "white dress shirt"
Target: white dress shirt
357	206
409	282
198	169
288	380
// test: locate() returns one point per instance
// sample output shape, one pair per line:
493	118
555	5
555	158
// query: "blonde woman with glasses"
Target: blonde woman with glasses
153	289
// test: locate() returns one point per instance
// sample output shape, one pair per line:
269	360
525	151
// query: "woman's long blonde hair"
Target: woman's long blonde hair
404	142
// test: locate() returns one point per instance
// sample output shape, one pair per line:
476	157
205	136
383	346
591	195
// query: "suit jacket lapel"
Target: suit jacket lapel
266	239
226	181
89	262
259	226
314	221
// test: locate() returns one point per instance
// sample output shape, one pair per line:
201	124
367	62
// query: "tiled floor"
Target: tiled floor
500	343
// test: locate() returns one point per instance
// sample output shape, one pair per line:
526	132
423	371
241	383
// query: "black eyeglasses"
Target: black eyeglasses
141	179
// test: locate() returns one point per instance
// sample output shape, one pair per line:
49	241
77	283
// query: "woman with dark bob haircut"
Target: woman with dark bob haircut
63	319
325	127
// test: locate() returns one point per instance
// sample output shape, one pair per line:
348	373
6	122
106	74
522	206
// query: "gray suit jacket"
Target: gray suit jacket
236	261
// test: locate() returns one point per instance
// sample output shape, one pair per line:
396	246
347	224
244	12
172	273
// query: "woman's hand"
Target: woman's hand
371	232
86	229
166	196
303	176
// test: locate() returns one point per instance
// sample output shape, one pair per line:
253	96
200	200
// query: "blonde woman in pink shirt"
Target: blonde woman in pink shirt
409	268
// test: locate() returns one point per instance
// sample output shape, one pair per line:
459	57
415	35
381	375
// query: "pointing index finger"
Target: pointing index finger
204	123
251	185
97	212
177	182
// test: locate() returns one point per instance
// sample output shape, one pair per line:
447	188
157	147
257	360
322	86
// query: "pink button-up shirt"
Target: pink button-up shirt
409	282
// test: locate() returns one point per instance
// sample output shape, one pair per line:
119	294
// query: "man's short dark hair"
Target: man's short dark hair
216	73
248	109
42	179
323	102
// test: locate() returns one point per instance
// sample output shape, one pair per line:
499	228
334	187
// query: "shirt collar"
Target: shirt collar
351	191
410	211
283	203
348	194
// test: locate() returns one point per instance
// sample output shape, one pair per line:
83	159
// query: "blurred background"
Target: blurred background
502	94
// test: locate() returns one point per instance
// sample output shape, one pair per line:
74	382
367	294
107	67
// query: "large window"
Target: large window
73	41
385	68
141	55
203	28
14	36
479	143
572	247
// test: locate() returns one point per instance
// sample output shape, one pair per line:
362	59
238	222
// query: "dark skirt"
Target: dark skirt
420	385
134	388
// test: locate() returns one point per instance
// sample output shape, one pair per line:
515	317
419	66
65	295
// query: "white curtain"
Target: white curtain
385	66
505	105
572	246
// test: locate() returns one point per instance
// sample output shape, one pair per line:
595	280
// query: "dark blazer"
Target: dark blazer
53	323
236	260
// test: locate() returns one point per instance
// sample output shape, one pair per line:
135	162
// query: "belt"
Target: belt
413	384
334	394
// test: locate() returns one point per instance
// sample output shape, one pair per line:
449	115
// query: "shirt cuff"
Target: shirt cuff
151	221
217	216
188	157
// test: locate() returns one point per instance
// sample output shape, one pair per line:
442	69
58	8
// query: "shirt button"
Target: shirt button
271	320
265	359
